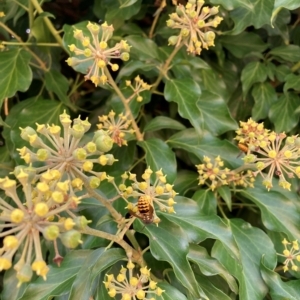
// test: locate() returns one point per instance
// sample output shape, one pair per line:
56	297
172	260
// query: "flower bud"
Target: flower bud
26	132
25	274
173	40
81	222
104	143
125	56
80	154
51	232
71	239
94	182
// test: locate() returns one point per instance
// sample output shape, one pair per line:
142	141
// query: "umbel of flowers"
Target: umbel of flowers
132	285
97	51
61	149
37	211
194	22
160	192
275	152
291	254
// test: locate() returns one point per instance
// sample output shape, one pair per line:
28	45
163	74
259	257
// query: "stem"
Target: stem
166	66
115	214
132	239
295	67
128	249
41	63
31	44
138	134
156	16
48	23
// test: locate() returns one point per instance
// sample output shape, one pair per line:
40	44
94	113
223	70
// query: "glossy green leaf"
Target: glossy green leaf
215	114
118	11
160	156
199	227
205	144
142	48
282	113
162	241
185	180
281	72
58	83
279	4
209	266
170	292
162	122
95	263
292	82
59	279
40	30
252	243
278	289
287	52
186	92
18	75
244	43
225	193
210	289
264	96
278	211
250	13
252	73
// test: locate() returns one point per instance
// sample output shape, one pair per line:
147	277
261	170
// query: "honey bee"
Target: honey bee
145	211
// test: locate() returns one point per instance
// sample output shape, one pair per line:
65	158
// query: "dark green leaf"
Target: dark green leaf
58	83
264	97
215	114
162	122
160	156
279	4
252	73
225	193
186	92
244	43
18	75
252	243
128	3
287	52
205	144
185	180
142	48
278	211
168	242
292	82
282	113
209	266
281	72
170	292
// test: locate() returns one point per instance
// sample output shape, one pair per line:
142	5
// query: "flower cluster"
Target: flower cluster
213	173
116	127
194	23
132	286
64	153
39	214
139	87
97	51
290	255
160	193
276	152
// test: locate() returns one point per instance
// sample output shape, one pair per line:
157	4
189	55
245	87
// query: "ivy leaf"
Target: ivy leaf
186	92
209	266
252	73
292	82
95	263
282	113
244	43
142	48
279	289
170	292
252	243
279	4
18	75
168	242
205	144
160	156
58	83
278	211
287	52
264	97
162	122
215	114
